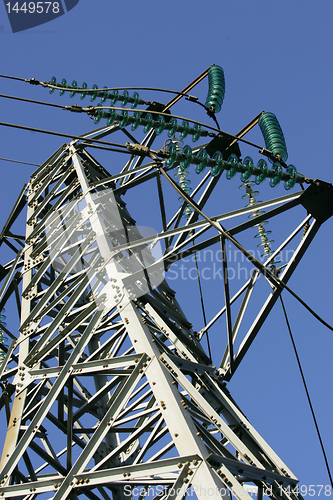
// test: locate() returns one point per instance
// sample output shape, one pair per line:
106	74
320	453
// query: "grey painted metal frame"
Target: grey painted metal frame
113	393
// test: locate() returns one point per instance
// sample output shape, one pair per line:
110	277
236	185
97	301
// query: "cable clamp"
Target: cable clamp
91	110
74	107
210	111
191	98
137	148
162	153
33	81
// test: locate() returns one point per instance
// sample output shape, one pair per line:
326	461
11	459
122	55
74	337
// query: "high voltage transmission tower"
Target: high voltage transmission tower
108	390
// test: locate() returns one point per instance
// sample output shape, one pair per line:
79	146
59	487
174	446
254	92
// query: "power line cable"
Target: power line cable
307	392
263	269
72	136
307	306
34	81
24	162
91	110
31	100
202	304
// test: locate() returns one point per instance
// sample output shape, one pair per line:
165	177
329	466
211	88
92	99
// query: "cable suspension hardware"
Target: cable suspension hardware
233	165
273	135
262	234
181	176
216	89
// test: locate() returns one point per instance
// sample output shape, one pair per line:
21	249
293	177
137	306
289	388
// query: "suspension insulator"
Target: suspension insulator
173	127
181	172
248	162
53	82
125	98
74	86
202	154
290	183
273	135
216	89
137	120
83	94
262	165
94	94
188	155
64	86
216	169
277	169
231	172
105	95
173	149
262	234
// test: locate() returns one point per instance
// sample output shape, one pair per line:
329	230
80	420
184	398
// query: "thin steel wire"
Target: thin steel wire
79	89
307	392
60	134
18	161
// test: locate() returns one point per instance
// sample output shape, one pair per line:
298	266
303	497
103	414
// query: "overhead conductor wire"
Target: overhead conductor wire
307	392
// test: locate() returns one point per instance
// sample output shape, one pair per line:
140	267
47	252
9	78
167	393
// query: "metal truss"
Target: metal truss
107	388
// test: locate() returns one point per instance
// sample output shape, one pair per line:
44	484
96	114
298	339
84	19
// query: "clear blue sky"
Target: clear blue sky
277	56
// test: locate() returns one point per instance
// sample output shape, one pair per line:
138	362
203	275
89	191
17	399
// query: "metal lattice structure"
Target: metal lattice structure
108	390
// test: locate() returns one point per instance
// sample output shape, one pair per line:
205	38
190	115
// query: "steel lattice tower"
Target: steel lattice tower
110	387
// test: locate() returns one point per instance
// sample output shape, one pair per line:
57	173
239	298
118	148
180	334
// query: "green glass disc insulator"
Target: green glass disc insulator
137	120
187	190
277	169
197	133
74	86
187	152
125	98
265	242
203	163
105	95
99	114
94	94
233	169
149	122
273	135
124	119
53	82
248	162
172	149
136	99
290	183
216	89
216	169
114	97
64	85
264	169
182	175
83	94
161	124
186	128
188	211
173	129
112	117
